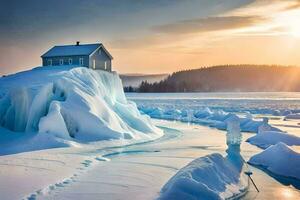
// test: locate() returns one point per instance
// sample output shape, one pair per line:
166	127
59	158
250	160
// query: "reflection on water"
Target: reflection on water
288	193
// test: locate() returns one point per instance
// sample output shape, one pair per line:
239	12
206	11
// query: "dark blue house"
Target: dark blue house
93	56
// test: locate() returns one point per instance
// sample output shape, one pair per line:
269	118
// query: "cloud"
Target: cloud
208	24
294	5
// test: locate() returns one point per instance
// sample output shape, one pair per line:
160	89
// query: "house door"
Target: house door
94	64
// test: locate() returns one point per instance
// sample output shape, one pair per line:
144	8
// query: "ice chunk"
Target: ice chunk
203	113
279	159
293	116
265	126
233	136
268	138
208	177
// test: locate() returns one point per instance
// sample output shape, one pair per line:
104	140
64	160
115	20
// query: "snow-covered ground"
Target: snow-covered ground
109	150
106	170
272	117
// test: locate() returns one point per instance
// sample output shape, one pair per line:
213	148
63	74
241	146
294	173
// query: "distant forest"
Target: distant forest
227	78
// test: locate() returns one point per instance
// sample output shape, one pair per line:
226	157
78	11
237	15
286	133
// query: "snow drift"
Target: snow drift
268	138
209	177
279	159
71	103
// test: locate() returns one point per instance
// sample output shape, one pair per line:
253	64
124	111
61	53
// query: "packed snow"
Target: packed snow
68	104
192	182
268	138
279	159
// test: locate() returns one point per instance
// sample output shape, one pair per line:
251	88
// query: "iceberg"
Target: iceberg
71	103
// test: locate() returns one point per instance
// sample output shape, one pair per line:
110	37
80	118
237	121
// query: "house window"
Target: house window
99	51
94	64
70	61
49	62
61	61
81	61
105	65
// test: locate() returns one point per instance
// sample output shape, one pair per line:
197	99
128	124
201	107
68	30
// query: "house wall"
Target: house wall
100	58
75	60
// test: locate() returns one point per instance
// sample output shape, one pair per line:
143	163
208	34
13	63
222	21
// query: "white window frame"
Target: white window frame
81	61
49	62
61	61
70	61
105	65
94	64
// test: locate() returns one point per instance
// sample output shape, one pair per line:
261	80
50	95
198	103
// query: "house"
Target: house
93	56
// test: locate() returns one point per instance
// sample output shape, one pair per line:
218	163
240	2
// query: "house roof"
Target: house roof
74	50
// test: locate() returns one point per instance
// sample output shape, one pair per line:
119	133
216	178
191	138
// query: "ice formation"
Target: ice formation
72	103
265	126
210	177
268	138
206	116
279	159
233	136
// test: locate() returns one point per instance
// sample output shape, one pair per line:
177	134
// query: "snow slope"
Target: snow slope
69	104
268	138
279	159
192	182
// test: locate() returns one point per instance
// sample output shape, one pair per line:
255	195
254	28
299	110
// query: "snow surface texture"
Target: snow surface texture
279	159
192	182
268	138
69	103
216	118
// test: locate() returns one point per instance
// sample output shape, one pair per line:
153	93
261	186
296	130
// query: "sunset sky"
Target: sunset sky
147	36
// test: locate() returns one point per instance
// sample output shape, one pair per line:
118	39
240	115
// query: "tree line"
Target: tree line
227	78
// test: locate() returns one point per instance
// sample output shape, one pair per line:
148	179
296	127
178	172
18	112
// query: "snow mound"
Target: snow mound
71	103
209	177
279	159
268	138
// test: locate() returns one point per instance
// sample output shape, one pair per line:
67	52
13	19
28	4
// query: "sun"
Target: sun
295	31
293	24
